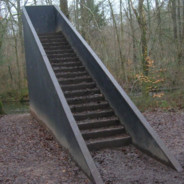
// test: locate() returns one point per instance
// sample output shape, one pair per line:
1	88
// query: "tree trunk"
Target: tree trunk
64	7
174	18
16	48
83	18
133	34
121	21
179	34
143	29
1	108
140	15
122	63
77	14
20	25
35	2
149	16
159	21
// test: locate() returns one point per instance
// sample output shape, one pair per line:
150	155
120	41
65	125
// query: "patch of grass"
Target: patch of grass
170	100
15	95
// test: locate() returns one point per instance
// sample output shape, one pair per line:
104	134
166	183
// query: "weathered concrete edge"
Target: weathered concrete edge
90	56
94	174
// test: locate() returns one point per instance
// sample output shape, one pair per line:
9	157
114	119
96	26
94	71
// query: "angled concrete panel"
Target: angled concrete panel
48	102
142	134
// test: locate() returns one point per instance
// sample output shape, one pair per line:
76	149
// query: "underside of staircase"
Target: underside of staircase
99	125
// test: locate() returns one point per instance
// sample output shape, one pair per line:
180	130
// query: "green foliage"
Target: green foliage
171	100
15	95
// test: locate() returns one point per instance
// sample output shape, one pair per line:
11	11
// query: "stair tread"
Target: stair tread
85	125
71	67
73	74
63	60
78	85
103	119
108	139
93	112
55	43
75	79
103	132
62	54
86	97
89	104
102	129
61	47
50	34
66	63
60	50
50	38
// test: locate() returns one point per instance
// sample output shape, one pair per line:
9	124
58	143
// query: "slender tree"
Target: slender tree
122	61
159	22
133	32
64	7
141	19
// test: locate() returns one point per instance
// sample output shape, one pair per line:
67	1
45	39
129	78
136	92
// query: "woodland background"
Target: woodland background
140	41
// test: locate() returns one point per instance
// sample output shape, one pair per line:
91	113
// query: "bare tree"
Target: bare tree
141	19
64	7
122	61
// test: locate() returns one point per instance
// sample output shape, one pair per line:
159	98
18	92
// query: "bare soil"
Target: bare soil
29	154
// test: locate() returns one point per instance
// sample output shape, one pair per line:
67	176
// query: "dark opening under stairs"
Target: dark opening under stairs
99	125
76	97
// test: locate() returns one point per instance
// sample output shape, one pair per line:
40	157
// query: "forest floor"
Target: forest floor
29	154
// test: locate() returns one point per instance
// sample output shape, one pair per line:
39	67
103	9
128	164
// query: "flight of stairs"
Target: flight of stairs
95	118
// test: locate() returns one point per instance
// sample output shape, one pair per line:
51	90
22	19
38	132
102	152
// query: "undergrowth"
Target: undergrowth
168	101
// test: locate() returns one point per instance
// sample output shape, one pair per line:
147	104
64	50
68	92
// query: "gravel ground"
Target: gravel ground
29	154
129	165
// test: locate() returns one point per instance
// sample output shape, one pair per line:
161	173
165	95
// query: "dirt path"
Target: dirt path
29	154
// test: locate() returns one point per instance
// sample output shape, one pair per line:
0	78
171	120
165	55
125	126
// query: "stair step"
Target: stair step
89	107
54	34
93	114
58	51
70	75
52	40
116	141
81	100
60	43
105	122
89	85
85	92
67	64
75	80
53	47
103	132
61	55
64	60
69	69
